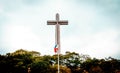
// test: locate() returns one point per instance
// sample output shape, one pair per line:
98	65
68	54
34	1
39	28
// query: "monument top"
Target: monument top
57	21
57	17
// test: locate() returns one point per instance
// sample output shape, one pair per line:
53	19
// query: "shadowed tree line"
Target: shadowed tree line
23	61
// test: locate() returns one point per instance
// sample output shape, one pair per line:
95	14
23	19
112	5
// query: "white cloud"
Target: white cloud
27	28
101	44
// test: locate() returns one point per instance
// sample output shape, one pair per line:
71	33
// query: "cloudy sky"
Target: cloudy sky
94	26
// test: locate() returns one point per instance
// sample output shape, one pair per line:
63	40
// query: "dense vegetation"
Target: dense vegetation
22	61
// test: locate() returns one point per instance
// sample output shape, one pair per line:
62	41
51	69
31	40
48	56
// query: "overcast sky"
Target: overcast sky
93	29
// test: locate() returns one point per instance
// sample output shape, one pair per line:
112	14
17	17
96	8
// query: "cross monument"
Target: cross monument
57	24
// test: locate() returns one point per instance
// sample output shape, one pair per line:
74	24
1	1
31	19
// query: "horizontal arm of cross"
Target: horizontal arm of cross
52	22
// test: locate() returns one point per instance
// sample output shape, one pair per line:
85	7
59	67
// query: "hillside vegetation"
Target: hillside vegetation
23	61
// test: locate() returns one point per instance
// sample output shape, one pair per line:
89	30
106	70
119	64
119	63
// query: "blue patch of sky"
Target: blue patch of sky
117	55
33	2
110	9
3	20
107	7
10	5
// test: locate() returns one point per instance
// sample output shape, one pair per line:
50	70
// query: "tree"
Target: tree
16	62
22	61
72	61
40	67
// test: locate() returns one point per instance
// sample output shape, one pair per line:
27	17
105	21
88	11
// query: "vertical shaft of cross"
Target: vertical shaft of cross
57	40
57	24
57	33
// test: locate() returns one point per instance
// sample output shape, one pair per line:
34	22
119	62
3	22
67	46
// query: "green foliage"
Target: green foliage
101	66
63	69
39	67
22	61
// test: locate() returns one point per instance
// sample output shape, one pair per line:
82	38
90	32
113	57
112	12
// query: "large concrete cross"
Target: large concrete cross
57	23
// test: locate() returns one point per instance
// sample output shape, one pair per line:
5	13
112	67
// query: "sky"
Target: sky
93	28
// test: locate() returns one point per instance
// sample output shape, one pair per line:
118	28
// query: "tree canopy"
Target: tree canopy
23	61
